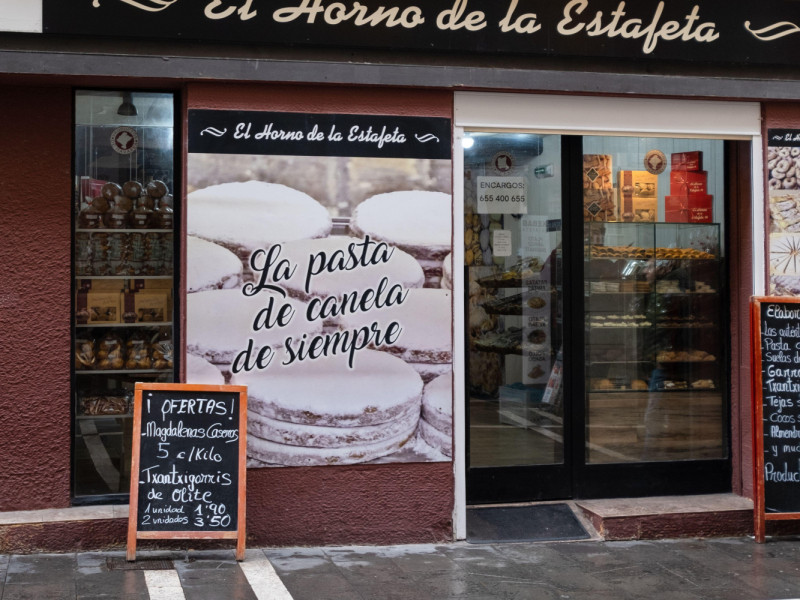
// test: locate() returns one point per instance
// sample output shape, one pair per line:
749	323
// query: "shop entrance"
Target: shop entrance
596	328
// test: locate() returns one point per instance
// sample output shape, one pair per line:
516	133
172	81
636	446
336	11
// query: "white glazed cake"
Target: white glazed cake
437	403
219	323
210	266
436	439
447	272
272	453
419	222
298	434
326	392
199	370
322	412
426	319
400	268
436	425
245	216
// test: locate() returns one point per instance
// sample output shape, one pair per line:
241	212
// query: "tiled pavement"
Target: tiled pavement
719	569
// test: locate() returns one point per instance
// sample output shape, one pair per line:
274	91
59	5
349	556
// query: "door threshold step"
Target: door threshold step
660	517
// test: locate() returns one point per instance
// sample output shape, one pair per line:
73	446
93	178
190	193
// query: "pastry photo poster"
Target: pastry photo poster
317	258
783	170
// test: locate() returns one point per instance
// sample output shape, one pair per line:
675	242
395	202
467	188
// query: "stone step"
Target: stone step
709	515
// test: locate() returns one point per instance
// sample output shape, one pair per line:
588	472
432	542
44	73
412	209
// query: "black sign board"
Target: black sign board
188	471
735	31
302	134
775	323
783	138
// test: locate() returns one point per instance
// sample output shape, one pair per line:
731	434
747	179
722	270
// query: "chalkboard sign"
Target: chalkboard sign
775	323
188	470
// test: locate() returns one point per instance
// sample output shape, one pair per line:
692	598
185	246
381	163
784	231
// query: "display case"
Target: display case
123	267
654	353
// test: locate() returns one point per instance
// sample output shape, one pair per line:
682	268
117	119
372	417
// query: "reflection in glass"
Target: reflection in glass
654	354
512	221
124	260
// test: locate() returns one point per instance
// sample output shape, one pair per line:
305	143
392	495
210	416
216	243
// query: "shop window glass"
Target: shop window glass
123	267
655	374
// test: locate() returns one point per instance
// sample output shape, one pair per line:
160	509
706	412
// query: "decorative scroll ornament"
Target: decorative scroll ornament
149	5
214	131
426	138
782	29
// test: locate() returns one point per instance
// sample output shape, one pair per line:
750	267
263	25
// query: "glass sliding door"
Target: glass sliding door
513	272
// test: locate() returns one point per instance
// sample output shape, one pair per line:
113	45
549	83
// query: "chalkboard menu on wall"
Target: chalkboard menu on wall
775	323
188	471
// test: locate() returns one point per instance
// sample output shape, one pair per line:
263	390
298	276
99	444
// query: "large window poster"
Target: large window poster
783	171
318	253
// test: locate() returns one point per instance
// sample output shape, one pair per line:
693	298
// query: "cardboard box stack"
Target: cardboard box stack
638	196
689	201
599	202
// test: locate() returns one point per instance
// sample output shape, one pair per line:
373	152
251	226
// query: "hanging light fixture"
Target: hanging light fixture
127	108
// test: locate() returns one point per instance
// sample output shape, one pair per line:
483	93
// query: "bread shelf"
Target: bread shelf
149	324
123	371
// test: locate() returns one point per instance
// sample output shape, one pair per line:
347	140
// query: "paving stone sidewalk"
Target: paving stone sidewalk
719	569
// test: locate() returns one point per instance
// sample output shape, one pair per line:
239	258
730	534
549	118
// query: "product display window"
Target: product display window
123	266
596	327
653	311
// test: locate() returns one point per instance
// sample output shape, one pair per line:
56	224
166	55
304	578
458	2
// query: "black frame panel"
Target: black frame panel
574	478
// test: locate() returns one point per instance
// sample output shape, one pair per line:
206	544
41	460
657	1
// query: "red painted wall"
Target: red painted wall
35	165
381	504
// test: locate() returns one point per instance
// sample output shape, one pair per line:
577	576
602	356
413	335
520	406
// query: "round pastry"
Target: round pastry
305	456
437	404
219	323
123	203
337	251
326	392
436	439
156	189
604	384
132	189
315	436
638	384
100	204
247	216
209	266
425	317
199	370
110	190
447	272
416	221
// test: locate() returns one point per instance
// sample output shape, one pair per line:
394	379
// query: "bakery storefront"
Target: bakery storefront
509	264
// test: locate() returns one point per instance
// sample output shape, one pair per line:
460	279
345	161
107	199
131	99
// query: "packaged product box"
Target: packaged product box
156	285
599	205
100	285
152	284
688	183
688	209
145	307
599	202
687	161
97	307
597	172
638	196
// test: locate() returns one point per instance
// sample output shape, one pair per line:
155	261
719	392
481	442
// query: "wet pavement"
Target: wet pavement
717	569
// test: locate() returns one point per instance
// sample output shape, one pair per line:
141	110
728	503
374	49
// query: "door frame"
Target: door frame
584	115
